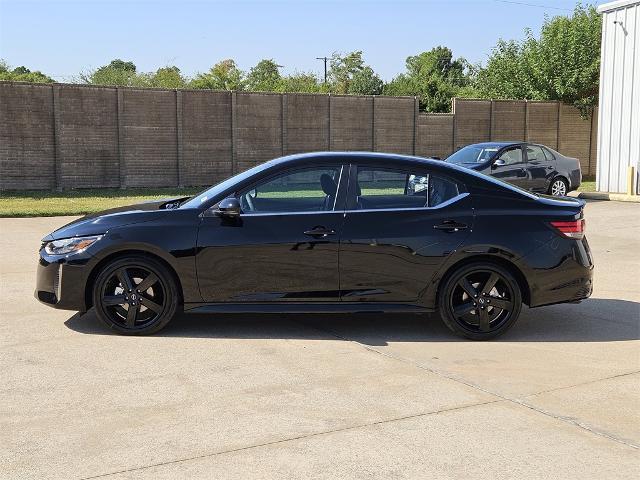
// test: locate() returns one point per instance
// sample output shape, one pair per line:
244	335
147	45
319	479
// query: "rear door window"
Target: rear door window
535	154
378	188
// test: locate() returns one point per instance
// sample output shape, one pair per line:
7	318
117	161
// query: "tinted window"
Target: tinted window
535	153
511	156
216	190
473	154
302	190
548	154
441	190
382	188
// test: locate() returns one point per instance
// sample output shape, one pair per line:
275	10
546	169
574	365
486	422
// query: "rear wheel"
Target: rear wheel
135	295
480	301
559	187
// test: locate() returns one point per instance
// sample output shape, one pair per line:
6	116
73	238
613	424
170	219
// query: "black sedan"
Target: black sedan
534	167
326	232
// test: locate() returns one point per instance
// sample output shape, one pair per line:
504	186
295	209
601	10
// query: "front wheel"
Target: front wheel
559	187
135	295
480	301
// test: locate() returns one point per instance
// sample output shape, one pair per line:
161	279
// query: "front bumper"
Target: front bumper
61	281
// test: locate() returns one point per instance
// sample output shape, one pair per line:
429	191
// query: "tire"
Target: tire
130	310
479	317
559	187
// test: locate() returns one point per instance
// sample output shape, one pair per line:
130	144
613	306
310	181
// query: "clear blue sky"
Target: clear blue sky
63	38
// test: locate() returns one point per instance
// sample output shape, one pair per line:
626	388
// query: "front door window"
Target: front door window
302	190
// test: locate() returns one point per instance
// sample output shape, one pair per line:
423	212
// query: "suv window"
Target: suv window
386	188
535	154
301	190
511	156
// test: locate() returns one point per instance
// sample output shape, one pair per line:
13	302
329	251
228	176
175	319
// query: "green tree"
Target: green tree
434	77
302	83
264	77
167	77
22	74
366	82
118	73
345	68
563	64
507	74
224	75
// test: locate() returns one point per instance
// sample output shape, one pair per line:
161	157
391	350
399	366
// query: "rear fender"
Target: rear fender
500	256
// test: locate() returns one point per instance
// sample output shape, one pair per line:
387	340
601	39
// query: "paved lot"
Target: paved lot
324	397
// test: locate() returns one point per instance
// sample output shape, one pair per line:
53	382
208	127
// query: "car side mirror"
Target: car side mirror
229	208
499	163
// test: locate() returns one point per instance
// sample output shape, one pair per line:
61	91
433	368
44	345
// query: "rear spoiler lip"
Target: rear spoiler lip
567	202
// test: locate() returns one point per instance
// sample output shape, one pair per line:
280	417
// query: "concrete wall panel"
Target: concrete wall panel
307	123
206	137
542	123
149	139
258	129
27	148
435	135
394	120
351	123
508	120
87	138
472	122
575	135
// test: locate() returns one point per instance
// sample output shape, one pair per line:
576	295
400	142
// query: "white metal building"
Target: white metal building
619	112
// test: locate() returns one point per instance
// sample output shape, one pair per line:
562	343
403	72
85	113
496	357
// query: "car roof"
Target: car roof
339	156
495	144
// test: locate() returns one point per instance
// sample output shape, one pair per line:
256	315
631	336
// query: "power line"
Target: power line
533	5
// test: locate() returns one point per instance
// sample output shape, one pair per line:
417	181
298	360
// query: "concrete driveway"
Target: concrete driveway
324	397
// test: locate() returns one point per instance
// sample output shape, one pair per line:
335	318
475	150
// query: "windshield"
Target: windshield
472	154
216	190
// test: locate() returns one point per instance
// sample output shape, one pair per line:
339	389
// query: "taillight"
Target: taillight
572	229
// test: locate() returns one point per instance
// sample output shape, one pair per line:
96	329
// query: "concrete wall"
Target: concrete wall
27	144
75	136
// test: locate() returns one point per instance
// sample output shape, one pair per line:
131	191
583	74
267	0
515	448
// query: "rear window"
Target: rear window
548	154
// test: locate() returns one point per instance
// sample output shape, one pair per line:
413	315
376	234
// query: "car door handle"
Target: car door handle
451	226
320	232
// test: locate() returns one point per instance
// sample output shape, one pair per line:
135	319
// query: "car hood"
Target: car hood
101	222
470	166
473	166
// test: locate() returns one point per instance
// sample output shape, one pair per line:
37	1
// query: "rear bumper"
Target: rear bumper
575	179
60	283
564	276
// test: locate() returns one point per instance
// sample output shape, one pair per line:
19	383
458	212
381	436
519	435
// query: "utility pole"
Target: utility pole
325	67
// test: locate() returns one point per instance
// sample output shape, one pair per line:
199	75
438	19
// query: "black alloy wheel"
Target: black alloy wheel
135	296
480	301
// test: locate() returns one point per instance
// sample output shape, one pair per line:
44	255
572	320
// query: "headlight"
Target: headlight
70	245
